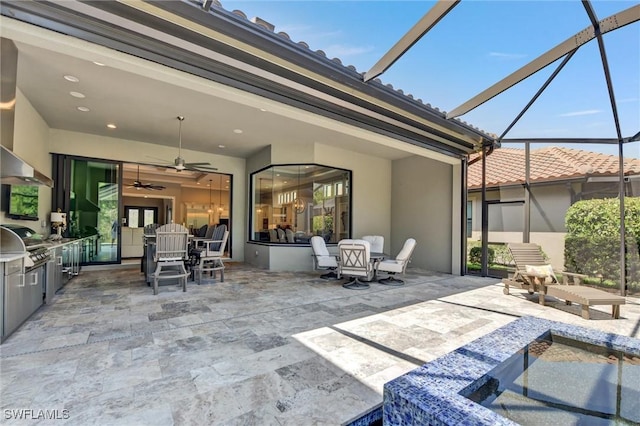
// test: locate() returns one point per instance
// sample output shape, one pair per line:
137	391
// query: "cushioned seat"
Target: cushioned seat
397	265
322	259
355	262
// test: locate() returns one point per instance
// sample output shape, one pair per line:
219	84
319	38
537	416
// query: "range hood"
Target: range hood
16	171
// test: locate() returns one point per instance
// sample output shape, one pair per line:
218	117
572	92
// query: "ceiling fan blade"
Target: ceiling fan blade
197	164
198	167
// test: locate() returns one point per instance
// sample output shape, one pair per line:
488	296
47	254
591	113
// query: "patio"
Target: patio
263	347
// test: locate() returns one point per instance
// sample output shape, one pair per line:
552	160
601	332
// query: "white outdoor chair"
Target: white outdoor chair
172	249
322	259
281	235
273	236
291	237
355	261
376	241
212	253
397	265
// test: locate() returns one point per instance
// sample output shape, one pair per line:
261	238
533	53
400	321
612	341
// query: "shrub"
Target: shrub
592	243
475	254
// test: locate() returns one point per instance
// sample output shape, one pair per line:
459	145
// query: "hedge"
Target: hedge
592	243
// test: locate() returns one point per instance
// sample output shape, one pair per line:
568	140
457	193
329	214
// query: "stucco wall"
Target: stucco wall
30	142
371	200
370	190
421	208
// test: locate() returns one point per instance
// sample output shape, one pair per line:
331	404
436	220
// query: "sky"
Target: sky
476	45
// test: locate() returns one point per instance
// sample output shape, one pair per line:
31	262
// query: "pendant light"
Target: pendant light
220	194
298	203
210	209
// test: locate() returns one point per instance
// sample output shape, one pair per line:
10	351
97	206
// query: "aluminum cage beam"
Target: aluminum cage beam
611	23
428	21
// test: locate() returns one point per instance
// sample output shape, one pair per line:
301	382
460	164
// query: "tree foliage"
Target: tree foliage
592	243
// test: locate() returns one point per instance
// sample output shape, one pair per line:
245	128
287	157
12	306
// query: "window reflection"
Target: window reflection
292	203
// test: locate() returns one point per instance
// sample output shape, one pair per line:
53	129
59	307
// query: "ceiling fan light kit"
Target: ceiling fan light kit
179	163
137	184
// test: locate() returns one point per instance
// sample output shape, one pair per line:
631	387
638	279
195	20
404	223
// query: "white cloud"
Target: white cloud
507	55
342	51
625	100
585	112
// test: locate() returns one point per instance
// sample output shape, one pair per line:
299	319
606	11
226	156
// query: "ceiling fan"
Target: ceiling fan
180	164
137	184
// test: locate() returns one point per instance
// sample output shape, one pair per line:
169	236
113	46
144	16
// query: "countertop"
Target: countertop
8	257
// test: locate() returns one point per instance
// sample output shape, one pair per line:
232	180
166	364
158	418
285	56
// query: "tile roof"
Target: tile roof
506	166
271	28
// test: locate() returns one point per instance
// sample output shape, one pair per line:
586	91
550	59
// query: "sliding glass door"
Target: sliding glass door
91	200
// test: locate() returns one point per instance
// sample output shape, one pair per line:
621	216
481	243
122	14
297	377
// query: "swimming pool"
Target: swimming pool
436	393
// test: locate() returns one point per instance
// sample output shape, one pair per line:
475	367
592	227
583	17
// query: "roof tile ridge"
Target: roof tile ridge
265	25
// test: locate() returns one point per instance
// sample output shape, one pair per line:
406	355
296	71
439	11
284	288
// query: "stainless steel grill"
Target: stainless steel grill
38	250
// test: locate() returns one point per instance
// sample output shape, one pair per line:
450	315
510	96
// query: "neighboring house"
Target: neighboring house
558	176
254	101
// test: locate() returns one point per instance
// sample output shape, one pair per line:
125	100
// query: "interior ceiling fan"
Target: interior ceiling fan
180	164
137	184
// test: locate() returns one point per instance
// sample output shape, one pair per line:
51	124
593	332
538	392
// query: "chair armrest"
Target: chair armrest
575	278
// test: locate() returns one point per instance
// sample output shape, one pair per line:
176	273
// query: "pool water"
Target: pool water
557	380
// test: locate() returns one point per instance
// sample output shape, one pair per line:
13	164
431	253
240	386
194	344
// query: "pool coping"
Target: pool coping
430	394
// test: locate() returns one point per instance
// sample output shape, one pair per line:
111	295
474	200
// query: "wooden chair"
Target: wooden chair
212	253
535	275
172	249
355	262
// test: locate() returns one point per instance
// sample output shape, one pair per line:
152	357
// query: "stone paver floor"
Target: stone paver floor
262	348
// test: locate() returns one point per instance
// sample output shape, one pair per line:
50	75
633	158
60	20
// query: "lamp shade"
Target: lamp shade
57	217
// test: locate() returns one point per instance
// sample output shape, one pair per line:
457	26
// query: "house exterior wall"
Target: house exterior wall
370	197
549	205
421	208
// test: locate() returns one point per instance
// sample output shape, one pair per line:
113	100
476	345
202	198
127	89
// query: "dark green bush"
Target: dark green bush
592	243
475	254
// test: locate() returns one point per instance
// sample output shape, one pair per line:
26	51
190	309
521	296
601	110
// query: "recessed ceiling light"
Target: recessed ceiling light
228	181
112	126
226	187
100	64
285	182
197	183
238	131
263	110
83	109
72	78
77	95
222	146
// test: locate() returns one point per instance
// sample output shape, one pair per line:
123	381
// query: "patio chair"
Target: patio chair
355	262
172	249
198	241
273	236
212	253
291	238
282	238
322	259
397	265
376	242
534	274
